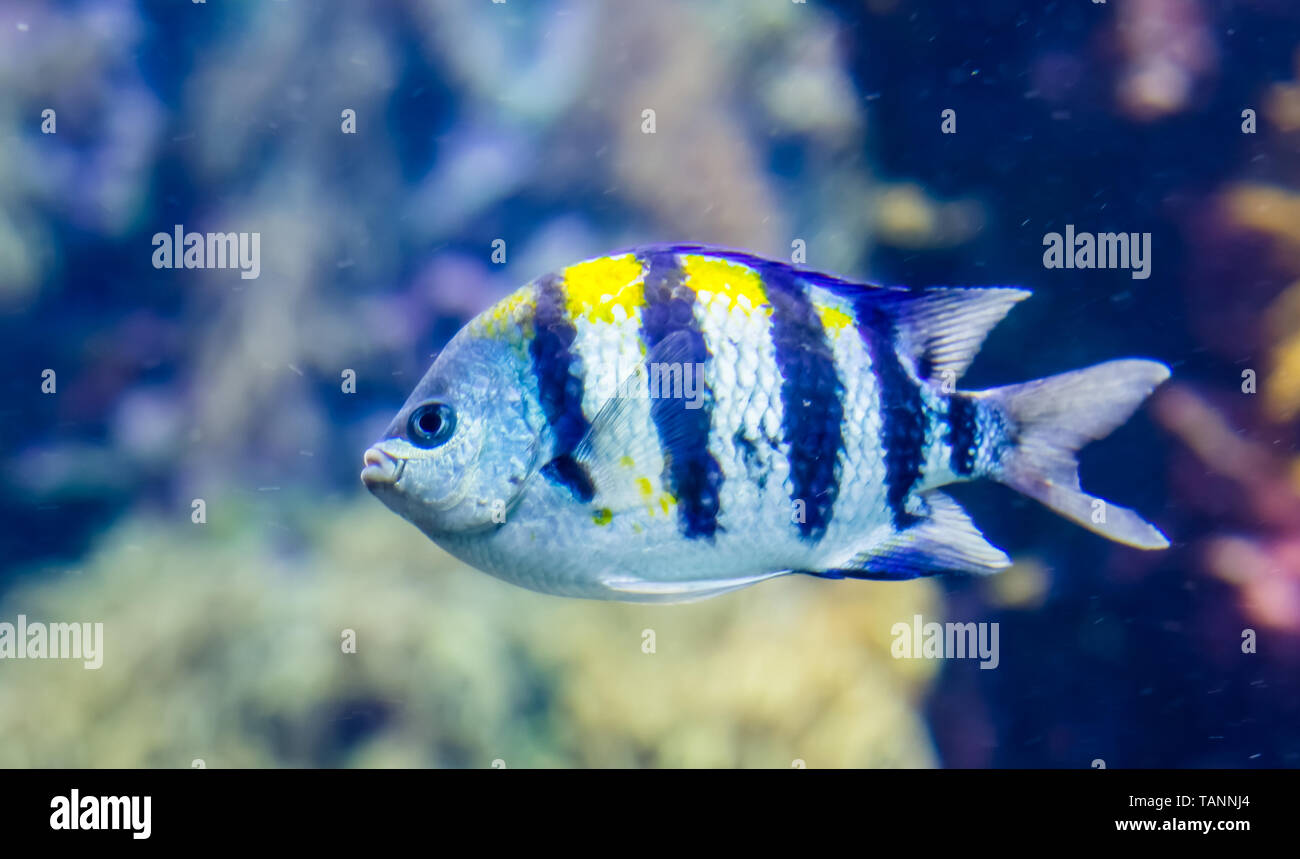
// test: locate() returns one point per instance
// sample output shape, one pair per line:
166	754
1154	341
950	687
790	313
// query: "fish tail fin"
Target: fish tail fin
1052	418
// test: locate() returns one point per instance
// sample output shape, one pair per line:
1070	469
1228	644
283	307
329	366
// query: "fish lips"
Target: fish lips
382	472
381	469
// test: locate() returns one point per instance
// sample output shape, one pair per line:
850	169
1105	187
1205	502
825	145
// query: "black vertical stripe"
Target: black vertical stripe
812	398
962	434
902	412
691	471
559	385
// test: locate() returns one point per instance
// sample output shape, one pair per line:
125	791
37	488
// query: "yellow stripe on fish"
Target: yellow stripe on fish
604	299
834	318
609	289
737	284
734	313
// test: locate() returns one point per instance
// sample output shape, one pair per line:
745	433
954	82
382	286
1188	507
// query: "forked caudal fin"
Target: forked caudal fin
1054	417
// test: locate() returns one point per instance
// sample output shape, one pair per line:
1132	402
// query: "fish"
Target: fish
673	422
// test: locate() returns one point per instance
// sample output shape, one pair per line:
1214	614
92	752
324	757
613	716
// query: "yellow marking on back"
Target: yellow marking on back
643	483
738	285
833	319
512	314
609	289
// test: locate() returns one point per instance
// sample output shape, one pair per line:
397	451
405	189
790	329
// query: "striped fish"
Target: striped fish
675	422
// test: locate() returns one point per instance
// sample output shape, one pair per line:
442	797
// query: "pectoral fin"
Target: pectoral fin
622	453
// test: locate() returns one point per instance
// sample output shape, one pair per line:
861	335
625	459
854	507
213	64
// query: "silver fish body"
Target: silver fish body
675	422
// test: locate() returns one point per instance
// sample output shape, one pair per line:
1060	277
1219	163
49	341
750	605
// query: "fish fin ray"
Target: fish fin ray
945	540
1053	417
683	591
942	328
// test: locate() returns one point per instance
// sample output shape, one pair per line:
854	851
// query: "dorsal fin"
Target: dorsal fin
941	328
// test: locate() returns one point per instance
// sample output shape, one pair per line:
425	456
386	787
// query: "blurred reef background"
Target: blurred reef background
521	121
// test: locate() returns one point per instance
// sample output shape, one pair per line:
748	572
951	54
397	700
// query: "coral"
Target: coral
1168	48
223	645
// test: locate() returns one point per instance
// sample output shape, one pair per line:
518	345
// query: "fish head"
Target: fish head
459	451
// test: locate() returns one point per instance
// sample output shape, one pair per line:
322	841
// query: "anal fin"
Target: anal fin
945	540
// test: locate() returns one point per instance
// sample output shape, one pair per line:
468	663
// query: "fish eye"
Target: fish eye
431	424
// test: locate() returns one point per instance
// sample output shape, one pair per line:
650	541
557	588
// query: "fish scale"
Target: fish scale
613	348
534	449
737	334
861	504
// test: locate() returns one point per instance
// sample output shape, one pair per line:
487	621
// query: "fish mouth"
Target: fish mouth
381	468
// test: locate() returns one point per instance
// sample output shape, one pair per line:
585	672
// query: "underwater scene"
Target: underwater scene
616	384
